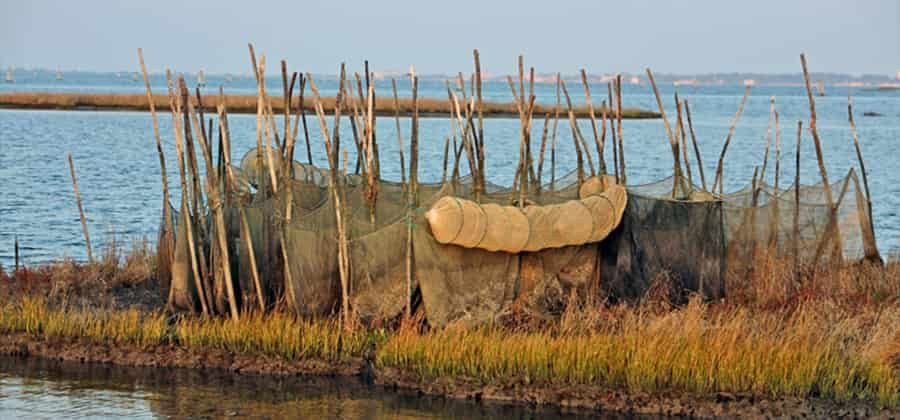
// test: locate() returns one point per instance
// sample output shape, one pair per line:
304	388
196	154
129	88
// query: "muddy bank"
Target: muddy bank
246	104
609	400
170	355
580	398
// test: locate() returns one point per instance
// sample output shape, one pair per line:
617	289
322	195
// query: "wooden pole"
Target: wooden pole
875	256
254	271
479	108
683	143
762	174
829	199
619	128
175	104
413	192
400	134
721	163
573	124
687	111
334	185
601	163
797	205
372	190
215	205
541	153
167	213
84	228
16	253
303	119
555	129
673	143
776	224
196	192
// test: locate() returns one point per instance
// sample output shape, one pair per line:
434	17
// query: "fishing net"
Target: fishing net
475	258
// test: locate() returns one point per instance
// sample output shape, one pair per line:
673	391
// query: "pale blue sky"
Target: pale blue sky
438	37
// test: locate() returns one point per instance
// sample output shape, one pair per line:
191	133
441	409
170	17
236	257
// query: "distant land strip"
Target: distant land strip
246	104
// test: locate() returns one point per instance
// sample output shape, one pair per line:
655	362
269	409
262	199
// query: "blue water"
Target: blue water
119	176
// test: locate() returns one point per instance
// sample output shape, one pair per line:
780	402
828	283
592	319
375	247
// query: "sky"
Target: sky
704	36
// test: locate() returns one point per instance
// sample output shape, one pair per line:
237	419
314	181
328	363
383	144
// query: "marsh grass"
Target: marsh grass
814	351
834	334
280	335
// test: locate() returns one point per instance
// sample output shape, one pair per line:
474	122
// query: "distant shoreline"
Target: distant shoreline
246	104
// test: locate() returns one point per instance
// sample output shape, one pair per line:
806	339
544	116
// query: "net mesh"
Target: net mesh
617	247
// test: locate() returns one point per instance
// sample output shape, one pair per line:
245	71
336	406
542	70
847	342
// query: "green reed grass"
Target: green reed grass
278	334
812	352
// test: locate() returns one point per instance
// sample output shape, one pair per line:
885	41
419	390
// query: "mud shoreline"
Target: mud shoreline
246	104
516	392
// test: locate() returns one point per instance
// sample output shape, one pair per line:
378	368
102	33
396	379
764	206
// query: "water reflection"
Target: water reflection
39	388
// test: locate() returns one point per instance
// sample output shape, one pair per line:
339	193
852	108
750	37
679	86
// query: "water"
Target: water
43	389
119	176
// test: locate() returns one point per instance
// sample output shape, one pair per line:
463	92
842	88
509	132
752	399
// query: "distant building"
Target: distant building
749	82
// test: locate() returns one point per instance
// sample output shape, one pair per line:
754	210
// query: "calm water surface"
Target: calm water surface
119	175
41	389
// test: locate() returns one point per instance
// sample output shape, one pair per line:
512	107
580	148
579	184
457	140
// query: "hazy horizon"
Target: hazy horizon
699	38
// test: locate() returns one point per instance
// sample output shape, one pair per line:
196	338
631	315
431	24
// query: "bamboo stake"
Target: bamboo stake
260	177
464	138
573	121
673	143
287	103
216	207
446	157
598	140
574	127
619	128
609	95
196	192
762	174
355	123
16	253
414	191
555	129
607	113
821	160
541	155
176	105
721	163
683	143
687	111
775	225
862	168
167	212
254	271
303	119
372	190
334	185
797	205
84	227
479	108
400	135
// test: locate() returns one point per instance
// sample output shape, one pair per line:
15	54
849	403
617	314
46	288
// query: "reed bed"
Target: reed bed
32	315
247	104
835	336
813	351
277	334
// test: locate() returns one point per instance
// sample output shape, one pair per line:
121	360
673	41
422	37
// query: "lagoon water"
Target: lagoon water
119	175
43	389
119	179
